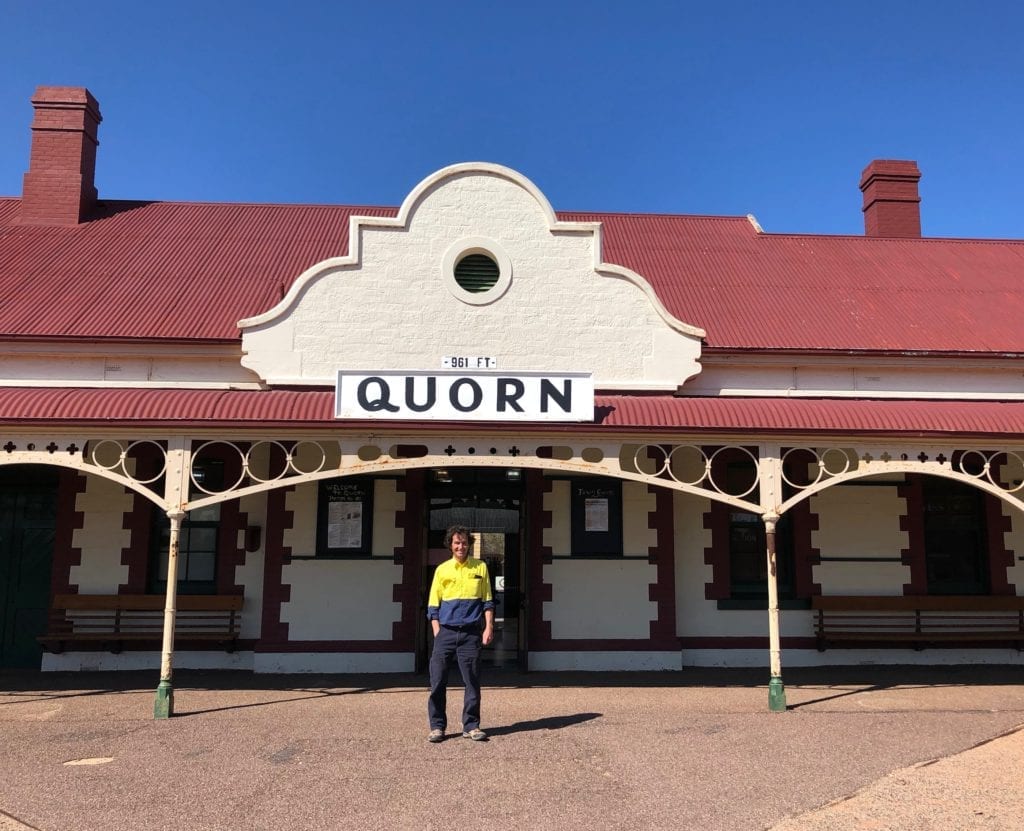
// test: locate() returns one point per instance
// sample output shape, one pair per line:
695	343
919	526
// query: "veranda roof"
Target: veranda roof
313	409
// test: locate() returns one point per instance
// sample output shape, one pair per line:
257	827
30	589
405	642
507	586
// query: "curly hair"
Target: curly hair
457	529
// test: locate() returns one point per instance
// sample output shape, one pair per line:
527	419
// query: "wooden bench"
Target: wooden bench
918	620
115	619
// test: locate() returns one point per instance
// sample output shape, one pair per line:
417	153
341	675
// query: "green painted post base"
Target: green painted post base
163	707
776	695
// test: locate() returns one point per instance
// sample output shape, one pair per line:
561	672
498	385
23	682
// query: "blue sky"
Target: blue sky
663	107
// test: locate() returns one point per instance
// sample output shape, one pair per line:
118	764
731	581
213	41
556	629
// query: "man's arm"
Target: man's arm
488	600
488	635
434	604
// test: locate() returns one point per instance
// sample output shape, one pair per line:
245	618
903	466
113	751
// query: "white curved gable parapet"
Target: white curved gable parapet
646	288
294	369
401	221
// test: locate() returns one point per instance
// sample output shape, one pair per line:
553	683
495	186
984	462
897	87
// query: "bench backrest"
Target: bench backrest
147	602
924	603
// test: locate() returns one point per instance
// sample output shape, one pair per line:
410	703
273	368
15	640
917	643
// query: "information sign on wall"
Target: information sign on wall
344	518
465	396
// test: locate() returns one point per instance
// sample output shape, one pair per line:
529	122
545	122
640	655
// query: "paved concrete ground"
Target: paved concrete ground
696	749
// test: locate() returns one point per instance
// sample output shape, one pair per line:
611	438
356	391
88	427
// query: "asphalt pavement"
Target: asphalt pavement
858	748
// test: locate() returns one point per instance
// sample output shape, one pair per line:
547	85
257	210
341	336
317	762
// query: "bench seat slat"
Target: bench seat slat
116	618
919	619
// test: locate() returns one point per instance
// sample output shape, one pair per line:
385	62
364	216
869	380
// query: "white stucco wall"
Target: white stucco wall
386	536
389	304
638	503
696	616
249	575
860	521
101	537
387	502
342	599
559	536
63	369
595	599
692	574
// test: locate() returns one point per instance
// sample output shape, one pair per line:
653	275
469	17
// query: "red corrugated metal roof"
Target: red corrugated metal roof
277	409
771	291
161	269
183	270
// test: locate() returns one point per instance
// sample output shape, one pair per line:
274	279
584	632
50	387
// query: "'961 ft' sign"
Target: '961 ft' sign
467	362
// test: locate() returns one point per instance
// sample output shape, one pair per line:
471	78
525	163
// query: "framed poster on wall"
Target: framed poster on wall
344	518
596	516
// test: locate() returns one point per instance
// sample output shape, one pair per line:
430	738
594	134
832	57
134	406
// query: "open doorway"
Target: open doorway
489	502
28	519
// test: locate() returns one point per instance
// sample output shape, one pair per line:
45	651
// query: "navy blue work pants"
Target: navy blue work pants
463	647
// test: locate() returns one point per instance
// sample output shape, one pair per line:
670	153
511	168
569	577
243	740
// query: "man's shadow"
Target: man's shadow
549	723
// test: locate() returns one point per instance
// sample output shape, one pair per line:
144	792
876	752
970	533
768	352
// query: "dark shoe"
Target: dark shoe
476	734
435	736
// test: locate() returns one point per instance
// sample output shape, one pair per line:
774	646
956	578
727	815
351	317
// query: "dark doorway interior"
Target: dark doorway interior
28	519
489	502
955	538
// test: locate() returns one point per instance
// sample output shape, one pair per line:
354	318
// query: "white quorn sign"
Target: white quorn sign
465	396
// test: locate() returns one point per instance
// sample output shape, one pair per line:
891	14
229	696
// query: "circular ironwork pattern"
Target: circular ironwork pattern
987	467
121	452
719	488
292	458
652	452
668	462
251	453
196	457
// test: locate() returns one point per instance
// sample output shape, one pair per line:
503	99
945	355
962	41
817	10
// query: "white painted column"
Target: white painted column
770	481
176	488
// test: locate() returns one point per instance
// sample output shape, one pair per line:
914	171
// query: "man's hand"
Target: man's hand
436	626
488	635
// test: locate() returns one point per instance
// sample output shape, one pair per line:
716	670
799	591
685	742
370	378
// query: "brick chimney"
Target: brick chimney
59	187
892	207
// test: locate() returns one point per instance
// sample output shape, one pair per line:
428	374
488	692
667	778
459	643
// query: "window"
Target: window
197	542
739	547
344	518
596	516
955	537
748	557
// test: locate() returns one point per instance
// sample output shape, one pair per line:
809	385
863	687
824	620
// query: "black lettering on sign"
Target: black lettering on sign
454	397
548	391
410	394
510	390
382	401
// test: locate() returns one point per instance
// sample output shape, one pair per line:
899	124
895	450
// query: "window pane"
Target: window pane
200	566
211	513
201	539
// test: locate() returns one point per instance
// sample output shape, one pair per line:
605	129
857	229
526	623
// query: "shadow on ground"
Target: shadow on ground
18	686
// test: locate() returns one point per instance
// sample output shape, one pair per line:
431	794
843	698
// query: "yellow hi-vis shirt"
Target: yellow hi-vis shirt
460	593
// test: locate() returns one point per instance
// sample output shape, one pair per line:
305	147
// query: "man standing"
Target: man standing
461	613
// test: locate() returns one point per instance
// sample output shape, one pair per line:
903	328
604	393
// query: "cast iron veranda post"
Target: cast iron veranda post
770	486
776	689
179	463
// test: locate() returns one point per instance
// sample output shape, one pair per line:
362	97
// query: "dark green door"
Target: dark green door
27	523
